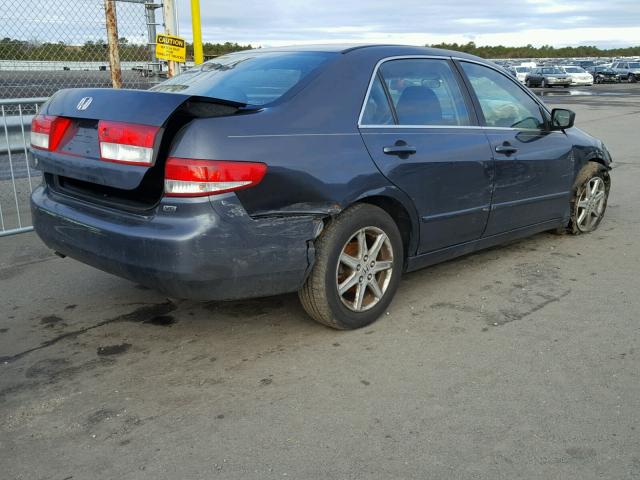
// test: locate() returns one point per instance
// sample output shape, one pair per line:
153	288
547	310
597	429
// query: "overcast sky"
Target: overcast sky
605	23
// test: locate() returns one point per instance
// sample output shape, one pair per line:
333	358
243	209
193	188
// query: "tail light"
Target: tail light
47	131
129	143
186	177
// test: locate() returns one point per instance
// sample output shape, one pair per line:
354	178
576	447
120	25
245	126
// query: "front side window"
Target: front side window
254	78
503	103
423	92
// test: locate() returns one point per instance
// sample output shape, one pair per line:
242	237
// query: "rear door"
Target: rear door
535	76
419	127
533	166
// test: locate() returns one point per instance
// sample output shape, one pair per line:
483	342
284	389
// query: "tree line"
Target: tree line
96	51
545	51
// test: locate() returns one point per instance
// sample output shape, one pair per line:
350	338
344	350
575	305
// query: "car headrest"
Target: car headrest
419	106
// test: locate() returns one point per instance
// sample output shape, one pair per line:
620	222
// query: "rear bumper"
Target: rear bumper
203	249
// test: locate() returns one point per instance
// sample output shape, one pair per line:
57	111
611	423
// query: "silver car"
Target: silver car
629	71
547	77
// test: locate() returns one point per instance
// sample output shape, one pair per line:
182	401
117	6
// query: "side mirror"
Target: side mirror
561	118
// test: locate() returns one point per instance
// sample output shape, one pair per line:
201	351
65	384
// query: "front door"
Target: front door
533	166
419	128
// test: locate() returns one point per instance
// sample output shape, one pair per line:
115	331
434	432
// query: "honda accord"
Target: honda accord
326	170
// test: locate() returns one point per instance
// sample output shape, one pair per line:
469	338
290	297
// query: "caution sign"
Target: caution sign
170	48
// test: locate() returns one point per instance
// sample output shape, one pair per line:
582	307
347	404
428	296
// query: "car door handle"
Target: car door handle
399	150
506	149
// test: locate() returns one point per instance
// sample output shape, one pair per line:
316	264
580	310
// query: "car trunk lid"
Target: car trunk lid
102	127
78	154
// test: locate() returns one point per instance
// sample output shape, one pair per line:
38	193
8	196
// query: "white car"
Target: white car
520	72
579	76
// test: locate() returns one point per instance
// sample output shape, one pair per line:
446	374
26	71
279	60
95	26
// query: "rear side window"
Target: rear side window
503	103
377	110
424	92
252	78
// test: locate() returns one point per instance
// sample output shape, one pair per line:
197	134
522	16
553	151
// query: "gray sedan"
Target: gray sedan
547	77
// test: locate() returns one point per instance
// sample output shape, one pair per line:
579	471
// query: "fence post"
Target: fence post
170	27
112	39
150	15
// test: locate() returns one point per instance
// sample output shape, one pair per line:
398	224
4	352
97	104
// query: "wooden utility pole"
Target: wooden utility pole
170	28
112	39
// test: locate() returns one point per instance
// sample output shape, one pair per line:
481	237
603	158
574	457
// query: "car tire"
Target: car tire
566	86
587	209
631	78
527	83
340	259
543	83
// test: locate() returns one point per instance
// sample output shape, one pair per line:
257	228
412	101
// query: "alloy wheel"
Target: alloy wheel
364	269
590	205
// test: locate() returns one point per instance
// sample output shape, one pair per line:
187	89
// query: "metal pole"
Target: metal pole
112	38
198	56
150	15
170	27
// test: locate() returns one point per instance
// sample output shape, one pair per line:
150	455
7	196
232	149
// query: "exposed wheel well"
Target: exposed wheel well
600	161
399	214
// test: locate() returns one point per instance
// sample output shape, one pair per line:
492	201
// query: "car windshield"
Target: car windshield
253	78
574	70
552	70
634	65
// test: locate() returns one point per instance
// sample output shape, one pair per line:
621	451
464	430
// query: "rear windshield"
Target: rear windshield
552	70
253	78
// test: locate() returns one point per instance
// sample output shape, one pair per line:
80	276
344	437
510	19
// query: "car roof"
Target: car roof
389	49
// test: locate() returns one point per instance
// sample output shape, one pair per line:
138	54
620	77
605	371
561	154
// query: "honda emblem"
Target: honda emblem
84	103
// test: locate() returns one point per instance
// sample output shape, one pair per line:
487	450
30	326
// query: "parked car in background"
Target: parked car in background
585	63
253	175
547	77
627	71
578	75
519	72
603	74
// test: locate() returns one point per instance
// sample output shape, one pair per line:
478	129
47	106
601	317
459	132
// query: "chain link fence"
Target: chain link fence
47	45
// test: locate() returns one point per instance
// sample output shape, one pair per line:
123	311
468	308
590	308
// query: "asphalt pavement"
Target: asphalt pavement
519	362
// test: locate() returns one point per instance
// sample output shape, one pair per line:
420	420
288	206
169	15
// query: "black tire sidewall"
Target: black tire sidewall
375	217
